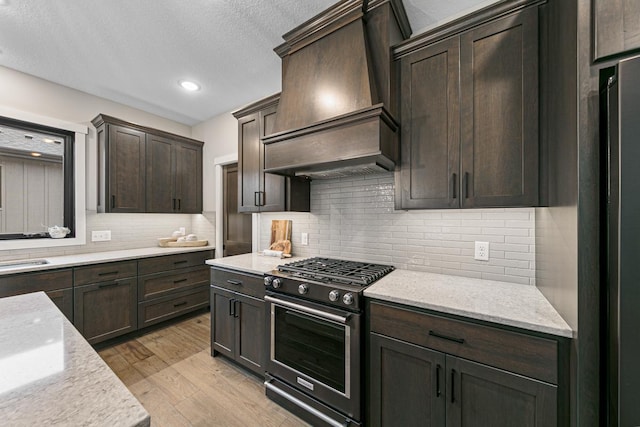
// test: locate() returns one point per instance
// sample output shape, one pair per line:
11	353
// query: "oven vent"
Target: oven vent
338	107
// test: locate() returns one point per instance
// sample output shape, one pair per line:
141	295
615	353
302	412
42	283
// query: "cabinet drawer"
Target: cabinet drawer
157	285
164	308
238	282
524	354
33	282
171	262
104	272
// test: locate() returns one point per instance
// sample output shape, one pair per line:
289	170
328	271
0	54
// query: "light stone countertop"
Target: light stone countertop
522	306
98	258
251	263
49	374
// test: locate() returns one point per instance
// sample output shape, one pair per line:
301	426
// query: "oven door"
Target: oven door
316	350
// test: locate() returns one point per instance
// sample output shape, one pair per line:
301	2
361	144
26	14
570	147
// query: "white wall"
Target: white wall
220	136
28	93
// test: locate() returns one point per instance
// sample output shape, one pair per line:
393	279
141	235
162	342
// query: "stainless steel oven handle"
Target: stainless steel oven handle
304	406
309	310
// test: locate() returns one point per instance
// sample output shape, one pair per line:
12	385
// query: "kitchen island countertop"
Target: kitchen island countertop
49	374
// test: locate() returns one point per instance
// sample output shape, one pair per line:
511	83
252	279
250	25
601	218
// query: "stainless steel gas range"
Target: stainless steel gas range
315	318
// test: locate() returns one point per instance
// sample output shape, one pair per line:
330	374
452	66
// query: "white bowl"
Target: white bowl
58	232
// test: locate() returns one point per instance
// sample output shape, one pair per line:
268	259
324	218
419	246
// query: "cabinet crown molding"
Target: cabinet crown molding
101	119
464	23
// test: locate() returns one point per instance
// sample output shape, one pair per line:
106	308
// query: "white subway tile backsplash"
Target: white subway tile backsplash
355	218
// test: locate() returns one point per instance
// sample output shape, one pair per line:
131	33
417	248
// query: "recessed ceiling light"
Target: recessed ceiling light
48	140
189	85
36	154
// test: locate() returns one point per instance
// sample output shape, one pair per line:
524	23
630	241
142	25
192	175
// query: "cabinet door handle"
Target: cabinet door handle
262	194
232	307
113	200
107	285
180	281
180	304
108	273
180	262
179	204
256	201
235	308
466	185
454	190
438	380
446	337
453	380
234	282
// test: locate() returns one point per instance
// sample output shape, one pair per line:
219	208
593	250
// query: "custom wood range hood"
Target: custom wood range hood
338	107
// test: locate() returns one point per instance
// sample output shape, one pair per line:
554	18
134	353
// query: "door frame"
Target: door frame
219	162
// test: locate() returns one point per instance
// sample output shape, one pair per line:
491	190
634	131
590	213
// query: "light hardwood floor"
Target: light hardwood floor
171	372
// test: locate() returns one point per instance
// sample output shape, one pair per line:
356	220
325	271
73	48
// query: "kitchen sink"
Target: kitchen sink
22	263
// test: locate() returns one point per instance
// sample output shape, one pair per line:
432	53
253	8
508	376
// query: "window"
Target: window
38	179
72	203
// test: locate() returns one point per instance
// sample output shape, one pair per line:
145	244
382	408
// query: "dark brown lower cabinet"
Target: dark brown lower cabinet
106	310
407	384
412	385
481	395
237	328
63	299
428	369
58	285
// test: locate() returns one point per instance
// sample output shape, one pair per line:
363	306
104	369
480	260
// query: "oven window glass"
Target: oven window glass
312	346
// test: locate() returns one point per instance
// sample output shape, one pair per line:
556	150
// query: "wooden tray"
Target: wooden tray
170	242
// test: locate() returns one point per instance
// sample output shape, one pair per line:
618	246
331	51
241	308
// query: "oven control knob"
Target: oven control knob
268	281
348	298
334	295
303	289
276	283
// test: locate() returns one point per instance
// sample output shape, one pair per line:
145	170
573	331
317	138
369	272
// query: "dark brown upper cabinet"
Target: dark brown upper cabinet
616	27
469	107
174	171
259	191
142	169
430	144
123	163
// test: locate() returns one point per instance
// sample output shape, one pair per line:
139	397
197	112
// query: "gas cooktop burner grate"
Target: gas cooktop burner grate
342	271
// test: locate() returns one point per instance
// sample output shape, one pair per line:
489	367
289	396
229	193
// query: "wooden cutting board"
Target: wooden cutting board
281	234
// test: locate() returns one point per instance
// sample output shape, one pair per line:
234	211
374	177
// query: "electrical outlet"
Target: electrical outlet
101	236
482	251
182	230
305	239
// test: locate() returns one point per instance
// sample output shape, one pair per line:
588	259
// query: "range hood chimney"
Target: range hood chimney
338	107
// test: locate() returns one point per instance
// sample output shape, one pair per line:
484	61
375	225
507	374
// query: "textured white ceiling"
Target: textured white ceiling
135	51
